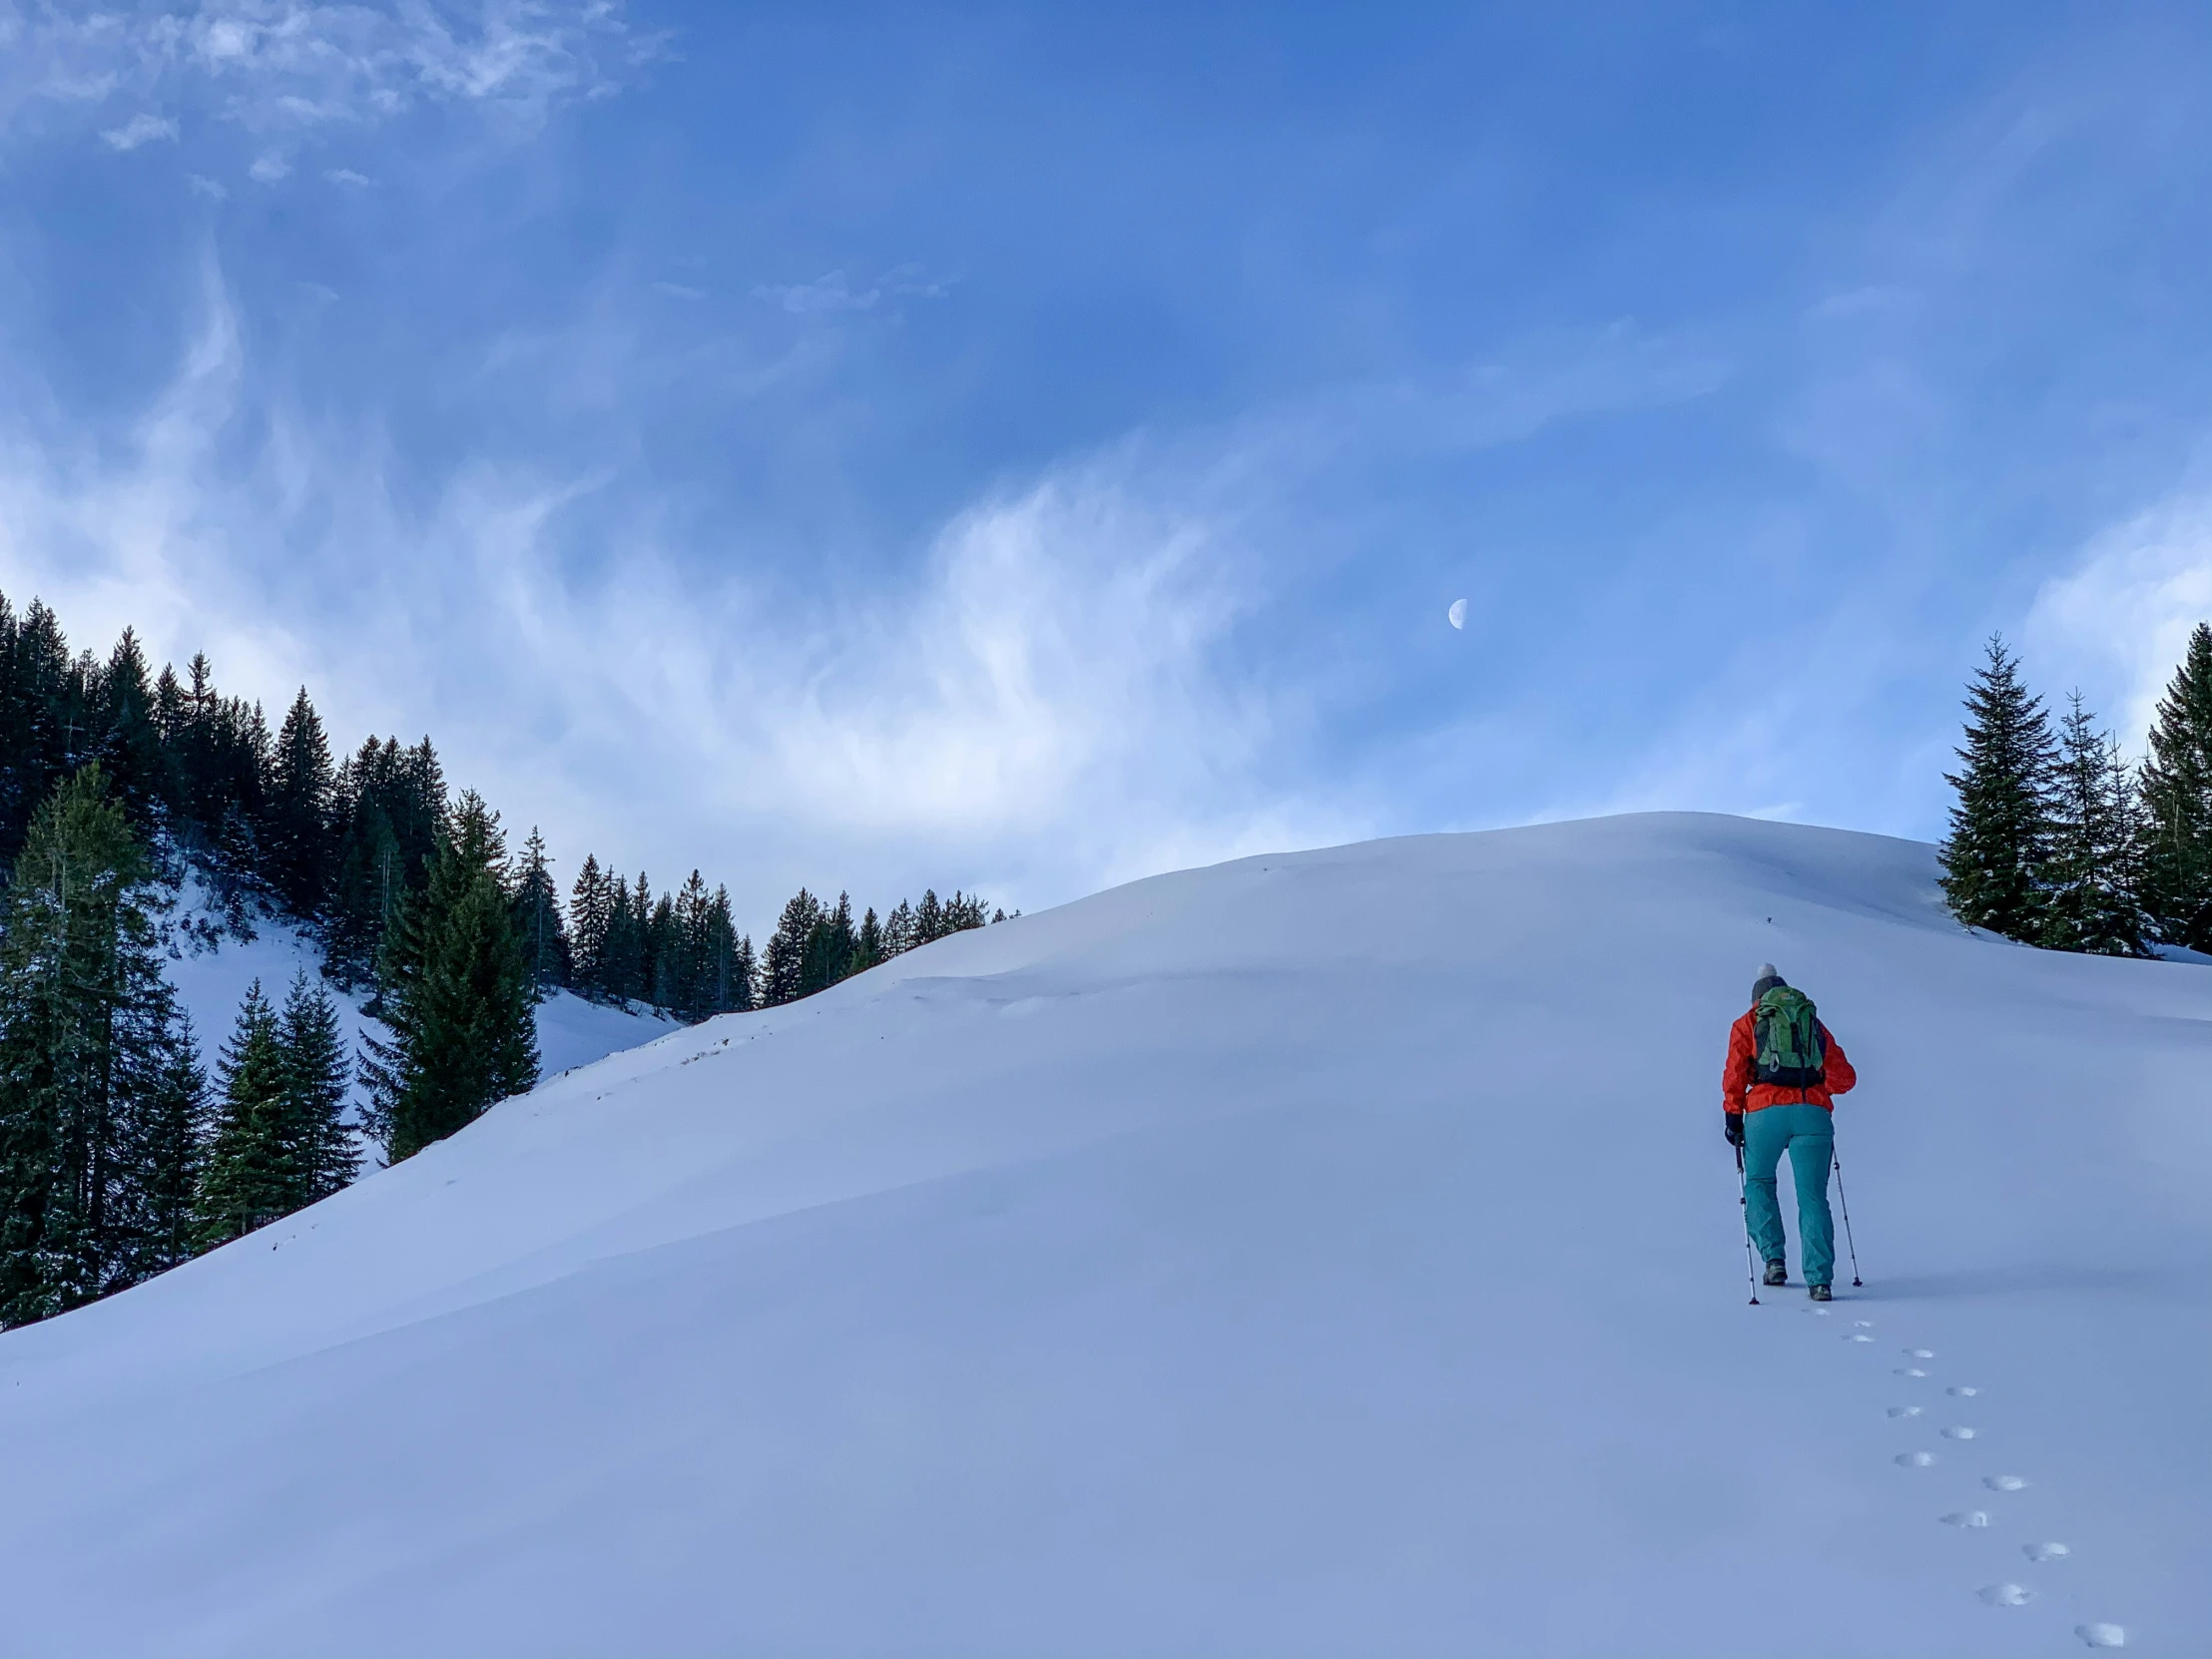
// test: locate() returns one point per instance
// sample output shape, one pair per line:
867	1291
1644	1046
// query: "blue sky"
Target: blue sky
1028	447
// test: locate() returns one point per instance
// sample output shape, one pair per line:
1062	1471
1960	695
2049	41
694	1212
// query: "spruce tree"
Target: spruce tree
173	1152
2177	804
2000	829
88	1044
296	832
254	1172
664	955
928	917
830	947
745	977
899	933
591	907
317	1076
2089	900
537	919
783	963
127	737
457	997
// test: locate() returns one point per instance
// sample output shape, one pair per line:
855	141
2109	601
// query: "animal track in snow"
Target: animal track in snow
1914	1459
2101	1635
1968	1517
2003	1483
2007	1595
1963	1391
1957	1434
2046	1552
1905	1411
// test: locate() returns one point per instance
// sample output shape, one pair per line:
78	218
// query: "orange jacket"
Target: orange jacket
1740	1094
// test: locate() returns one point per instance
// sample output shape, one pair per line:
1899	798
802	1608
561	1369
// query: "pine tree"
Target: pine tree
868	948
830	947
172	1151
88	1043
625	966
730	958
254	1172
2000	829
962	913
745	977
129	742
2177	803
663	954
317	1076
591	907
899	933
295	833
2089	902
457	997
537	919
783	965
695	979
928	917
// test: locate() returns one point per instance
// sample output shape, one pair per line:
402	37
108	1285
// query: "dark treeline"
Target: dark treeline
118	1158
2058	841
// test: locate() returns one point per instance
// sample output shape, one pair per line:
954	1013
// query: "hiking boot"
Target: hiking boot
1777	1273
1820	1293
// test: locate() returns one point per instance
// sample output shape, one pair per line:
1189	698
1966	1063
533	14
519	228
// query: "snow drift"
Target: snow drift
1333	1253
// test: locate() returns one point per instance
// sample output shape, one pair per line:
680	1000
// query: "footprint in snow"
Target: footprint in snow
1919	1353
1968	1517
1963	1391
1905	1411
1914	1459
2007	1595
1858	1336
2046	1552
2003	1483
1911	1370
2101	1635
1957	1434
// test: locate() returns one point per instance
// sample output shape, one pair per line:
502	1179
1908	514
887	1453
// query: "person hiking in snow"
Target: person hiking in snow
1784	1071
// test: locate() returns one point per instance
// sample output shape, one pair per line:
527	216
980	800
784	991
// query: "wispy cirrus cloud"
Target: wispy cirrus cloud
294	66
2120	617
834	291
1040	697
139	128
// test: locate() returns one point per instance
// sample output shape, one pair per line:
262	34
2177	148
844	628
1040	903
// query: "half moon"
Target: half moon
1458	613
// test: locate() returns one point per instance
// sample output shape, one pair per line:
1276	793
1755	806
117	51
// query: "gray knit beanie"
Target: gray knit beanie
1765	981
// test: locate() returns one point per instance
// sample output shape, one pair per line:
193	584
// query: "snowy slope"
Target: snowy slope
212	979
1323	1254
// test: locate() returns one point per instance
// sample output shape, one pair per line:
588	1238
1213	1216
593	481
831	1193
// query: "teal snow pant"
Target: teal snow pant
1809	1132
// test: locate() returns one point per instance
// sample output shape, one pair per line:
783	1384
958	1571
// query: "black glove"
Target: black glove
1734	1129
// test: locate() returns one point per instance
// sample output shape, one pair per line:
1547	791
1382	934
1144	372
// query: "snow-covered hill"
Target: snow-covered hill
210	969
1323	1254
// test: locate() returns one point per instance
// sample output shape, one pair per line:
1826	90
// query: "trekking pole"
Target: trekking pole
1846	1199
1743	1198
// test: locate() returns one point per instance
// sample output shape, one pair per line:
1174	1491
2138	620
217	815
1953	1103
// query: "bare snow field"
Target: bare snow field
1326	1254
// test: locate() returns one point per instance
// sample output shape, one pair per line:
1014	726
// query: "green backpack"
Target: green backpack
1791	1054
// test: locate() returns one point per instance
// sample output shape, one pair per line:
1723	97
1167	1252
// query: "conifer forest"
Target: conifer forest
126	1145
130	1142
